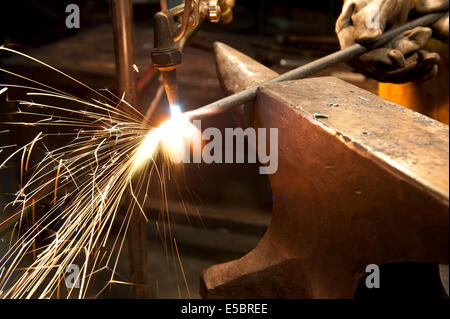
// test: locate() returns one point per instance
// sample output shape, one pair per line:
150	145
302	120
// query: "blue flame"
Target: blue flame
175	110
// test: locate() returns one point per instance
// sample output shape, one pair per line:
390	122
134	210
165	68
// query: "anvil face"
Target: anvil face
361	181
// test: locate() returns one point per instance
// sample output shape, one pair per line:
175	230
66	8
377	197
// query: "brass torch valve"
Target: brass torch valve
220	10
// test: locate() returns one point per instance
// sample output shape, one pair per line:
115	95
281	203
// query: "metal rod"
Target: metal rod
349	53
124	49
122	14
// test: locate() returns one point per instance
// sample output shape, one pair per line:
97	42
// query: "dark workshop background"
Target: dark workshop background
32	23
234	200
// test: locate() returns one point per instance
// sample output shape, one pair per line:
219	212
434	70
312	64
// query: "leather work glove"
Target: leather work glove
440	28
404	58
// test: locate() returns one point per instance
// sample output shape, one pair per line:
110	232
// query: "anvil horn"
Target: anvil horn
238	72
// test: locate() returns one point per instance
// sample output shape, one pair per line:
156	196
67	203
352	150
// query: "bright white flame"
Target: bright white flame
175	110
147	149
174	135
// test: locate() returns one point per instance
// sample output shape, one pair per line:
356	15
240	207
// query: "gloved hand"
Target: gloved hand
401	60
440	28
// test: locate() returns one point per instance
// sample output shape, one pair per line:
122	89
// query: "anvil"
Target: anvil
360	181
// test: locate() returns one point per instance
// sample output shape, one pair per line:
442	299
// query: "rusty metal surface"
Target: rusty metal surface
407	144
360	181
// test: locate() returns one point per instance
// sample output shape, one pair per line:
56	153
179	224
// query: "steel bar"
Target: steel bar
354	51
122	11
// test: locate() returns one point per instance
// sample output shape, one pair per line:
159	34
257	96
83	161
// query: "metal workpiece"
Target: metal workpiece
366	184
237	72
347	54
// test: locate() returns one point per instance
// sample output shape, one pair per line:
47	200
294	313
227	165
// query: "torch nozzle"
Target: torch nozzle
171	86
